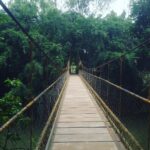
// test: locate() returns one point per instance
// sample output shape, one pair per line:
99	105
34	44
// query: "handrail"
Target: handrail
10	121
122	89
114	120
41	143
125	109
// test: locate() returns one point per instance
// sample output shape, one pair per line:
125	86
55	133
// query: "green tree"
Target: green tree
11	102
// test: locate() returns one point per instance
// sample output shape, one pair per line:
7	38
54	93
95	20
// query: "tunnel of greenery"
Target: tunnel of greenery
25	71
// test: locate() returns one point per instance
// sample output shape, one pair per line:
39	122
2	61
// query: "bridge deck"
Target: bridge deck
81	124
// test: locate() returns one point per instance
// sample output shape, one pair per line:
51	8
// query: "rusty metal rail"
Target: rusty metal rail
128	112
30	127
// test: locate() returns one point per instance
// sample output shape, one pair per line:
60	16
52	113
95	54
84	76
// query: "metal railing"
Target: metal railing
128	112
29	129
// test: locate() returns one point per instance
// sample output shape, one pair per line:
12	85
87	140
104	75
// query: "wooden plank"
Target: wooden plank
81	126
81	131
95	115
85	146
78	111
82	138
79	119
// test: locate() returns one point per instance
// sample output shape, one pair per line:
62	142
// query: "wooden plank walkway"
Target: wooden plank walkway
81	124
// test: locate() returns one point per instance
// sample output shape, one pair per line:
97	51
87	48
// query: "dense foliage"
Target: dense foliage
26	70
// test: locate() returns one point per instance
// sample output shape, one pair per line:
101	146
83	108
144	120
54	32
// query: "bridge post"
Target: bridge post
100	80
108	84
120	92
31	128
95	84
148	146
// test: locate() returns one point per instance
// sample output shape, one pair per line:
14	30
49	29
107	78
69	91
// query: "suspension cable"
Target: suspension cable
20	26
124	54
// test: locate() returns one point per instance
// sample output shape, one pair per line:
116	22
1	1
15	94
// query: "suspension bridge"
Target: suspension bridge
82	111
91	110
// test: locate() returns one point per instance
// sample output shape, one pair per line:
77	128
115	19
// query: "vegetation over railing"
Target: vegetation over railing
128	112
31	126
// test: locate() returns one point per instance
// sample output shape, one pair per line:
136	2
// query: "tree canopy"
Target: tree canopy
61	35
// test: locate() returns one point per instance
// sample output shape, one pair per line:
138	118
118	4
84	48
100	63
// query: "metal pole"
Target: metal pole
148	140
120	92
101	82
31	127
108	85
